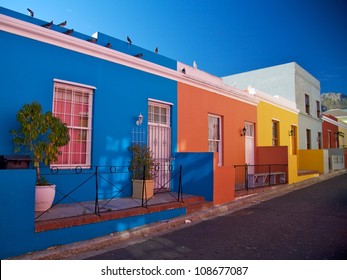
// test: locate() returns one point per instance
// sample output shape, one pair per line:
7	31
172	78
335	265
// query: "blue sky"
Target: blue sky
223	36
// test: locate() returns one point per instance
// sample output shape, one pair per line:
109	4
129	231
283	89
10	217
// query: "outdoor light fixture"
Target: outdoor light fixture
291	133
243	132
139	119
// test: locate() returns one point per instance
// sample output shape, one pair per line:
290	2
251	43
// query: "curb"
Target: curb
69	250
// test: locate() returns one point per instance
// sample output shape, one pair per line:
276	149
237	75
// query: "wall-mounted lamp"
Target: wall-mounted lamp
291	133
139	119
243	132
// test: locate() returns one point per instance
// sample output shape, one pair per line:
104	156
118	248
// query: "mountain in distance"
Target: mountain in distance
333	100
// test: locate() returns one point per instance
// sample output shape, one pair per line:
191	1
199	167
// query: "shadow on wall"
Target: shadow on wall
197	173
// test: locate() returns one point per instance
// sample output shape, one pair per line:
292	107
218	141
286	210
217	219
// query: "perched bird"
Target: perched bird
195	65
30	12
129	40
92	40
156	50
184	70
48	24
62	24
108	45
69	32
139	55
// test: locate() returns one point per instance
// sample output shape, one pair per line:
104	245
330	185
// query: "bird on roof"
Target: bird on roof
69	32
156	50
129	40
62	24
30	12
108	45
48	24
139	55
184	70
195	65
92	40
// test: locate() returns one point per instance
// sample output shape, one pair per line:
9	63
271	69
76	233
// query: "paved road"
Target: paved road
310	223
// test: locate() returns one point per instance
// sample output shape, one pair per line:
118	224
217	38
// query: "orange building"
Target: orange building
211	118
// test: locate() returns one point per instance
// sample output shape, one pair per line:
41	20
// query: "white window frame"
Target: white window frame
85	129
217	139
157	119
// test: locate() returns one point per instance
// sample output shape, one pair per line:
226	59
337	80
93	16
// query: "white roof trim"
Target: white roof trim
35	32
338	124
160	101
74	84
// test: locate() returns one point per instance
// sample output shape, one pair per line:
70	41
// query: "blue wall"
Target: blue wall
17	232
29	67
197	173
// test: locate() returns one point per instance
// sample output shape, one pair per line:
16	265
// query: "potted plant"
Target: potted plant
141	165
41	134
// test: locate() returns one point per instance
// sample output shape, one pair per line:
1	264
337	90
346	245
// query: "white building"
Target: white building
294	83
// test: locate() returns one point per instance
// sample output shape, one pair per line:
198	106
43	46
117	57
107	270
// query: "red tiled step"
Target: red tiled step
104	216
191	203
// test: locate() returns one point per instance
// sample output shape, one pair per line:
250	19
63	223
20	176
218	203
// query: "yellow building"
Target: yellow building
277	127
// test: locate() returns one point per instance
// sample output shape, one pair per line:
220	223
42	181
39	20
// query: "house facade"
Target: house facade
277	130
330	130
211	117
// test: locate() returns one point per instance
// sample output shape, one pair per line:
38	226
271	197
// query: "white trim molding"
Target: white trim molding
74	84
338	124
36	32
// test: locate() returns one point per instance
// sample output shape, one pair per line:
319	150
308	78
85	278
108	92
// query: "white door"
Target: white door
249	145
159	141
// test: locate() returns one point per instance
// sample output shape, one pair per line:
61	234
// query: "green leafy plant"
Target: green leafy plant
142	157
42	134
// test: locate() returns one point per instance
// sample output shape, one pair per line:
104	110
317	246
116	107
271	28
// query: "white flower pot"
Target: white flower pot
44	196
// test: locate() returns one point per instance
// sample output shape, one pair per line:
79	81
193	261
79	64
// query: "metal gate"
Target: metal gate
159	141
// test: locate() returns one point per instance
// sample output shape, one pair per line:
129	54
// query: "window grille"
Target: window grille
73	105
159	113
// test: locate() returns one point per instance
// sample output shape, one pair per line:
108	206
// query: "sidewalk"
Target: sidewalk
70	250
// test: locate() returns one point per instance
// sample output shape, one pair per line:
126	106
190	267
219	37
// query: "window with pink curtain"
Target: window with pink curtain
73	104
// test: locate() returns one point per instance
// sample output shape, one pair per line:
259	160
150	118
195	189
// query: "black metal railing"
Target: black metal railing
165	177
261	175
98	189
